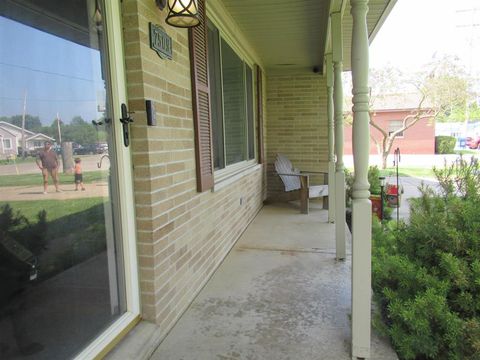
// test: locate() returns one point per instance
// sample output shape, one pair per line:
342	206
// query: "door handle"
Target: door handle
125	120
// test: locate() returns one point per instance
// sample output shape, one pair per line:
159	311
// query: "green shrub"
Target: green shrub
445	144
373	179
426	274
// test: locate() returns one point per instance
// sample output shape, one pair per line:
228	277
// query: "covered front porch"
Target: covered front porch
291	298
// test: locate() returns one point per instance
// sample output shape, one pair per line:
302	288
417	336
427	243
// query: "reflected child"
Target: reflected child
78	174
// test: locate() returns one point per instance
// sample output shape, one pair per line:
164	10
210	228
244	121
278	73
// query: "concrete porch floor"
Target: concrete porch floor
279	294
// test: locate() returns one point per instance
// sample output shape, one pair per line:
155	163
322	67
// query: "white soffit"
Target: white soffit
286	34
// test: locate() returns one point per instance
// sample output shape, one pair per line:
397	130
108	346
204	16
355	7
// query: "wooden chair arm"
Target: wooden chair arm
313	173
290	174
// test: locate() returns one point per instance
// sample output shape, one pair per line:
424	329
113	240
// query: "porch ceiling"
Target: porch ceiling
286	34
292	34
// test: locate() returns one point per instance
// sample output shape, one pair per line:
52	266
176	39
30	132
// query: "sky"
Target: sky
417	31
57	75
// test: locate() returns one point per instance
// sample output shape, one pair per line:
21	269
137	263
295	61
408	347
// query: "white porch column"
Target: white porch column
331	154
361	206
338	112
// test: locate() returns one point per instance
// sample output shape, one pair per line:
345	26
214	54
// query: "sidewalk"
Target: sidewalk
24	193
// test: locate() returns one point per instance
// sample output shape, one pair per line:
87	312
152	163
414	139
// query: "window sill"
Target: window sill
233	177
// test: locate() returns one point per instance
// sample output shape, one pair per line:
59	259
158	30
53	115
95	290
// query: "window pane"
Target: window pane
234	106
395	125
215	96
250	118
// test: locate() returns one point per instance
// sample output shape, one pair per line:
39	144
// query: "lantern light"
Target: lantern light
183	13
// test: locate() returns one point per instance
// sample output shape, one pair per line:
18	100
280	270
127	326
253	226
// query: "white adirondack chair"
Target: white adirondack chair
294	179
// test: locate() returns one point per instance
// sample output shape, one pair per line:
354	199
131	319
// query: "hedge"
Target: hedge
445	144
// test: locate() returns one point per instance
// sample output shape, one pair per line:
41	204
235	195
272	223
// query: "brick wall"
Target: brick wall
182	235
297	125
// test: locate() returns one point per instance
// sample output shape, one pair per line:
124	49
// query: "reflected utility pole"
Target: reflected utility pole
24	152
59	130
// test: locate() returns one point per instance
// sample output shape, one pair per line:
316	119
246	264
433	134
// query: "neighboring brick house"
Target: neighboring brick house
389	115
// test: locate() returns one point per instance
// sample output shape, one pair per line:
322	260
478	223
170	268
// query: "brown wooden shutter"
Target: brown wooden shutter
201	101
261	151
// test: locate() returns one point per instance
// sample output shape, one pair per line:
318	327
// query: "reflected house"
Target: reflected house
11	136
192	171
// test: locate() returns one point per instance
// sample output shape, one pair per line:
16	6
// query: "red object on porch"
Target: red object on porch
392	195
392	189
376	205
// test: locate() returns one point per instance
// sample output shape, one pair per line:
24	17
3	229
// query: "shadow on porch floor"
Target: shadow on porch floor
279	294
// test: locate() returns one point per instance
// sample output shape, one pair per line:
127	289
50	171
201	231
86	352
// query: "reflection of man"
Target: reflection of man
48	163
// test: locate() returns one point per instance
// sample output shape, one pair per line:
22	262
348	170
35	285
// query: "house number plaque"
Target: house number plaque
160	42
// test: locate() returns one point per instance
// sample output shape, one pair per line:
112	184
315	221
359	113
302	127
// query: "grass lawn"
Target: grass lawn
36	179
75	230
56	209
410	172
18	160
467	152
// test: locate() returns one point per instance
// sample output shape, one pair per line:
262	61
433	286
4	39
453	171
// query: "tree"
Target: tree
384	145
437	90
449	89
79	131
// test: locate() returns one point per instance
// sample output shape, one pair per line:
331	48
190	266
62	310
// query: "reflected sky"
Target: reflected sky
59	76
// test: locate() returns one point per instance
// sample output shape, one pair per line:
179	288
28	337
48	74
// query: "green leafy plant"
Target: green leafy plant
375	189
426	273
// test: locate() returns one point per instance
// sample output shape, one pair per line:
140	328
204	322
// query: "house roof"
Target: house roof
6	130
293	34
400	101
392	102
5	124
41	137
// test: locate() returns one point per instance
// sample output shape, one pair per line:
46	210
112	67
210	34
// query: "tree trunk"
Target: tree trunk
384	160
67	157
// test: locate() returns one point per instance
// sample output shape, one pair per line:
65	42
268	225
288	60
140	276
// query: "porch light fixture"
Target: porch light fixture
183	13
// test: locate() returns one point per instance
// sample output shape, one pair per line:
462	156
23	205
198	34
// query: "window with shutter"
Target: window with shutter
201	101
232	106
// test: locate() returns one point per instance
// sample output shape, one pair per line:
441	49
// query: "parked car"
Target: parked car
473	142
85	149
102	148
90	149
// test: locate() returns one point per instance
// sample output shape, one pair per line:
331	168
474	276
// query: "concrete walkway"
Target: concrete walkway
279	294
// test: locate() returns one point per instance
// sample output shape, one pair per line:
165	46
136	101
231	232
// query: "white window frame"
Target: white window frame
239	167
391	131
5	147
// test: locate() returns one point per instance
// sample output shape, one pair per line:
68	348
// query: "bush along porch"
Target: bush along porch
426	274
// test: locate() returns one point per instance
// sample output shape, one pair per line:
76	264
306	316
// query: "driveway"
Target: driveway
410	190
